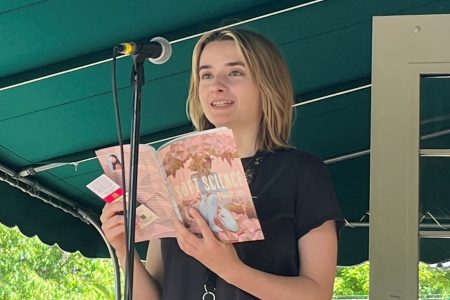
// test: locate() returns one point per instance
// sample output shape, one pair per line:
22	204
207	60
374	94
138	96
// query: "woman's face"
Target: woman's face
228	94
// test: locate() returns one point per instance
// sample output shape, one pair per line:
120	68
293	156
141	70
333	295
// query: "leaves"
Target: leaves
434	281
355	281
30	269
352	280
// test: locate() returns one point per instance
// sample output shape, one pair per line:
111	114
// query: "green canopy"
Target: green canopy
56	104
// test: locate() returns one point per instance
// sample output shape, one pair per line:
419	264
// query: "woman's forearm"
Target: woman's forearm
268	286
144	285
318	254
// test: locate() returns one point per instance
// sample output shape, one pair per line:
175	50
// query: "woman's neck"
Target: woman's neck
246	141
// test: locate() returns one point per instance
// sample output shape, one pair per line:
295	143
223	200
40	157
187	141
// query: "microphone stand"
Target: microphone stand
137	81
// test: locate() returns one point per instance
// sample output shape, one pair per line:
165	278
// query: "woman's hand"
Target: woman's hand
145	286
212	253
113	226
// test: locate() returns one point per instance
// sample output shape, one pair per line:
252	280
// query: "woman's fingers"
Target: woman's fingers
207	249
113	224
115	220
204	227
186	240
114	232
193	245
111	209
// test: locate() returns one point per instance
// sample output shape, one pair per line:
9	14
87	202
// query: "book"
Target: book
201	170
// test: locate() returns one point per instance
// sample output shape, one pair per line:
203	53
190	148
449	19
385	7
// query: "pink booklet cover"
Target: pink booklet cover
200	170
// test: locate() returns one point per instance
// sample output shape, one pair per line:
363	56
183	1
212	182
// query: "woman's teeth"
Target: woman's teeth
221	103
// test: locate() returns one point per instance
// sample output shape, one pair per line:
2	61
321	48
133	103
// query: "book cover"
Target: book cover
200	170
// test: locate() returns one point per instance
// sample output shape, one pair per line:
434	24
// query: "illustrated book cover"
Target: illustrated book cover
201	170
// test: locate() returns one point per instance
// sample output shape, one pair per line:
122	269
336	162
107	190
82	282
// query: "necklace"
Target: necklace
251	165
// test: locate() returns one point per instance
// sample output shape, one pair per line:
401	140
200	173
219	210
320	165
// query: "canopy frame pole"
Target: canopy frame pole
111	251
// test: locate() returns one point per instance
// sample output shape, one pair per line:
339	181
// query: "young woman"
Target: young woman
240	81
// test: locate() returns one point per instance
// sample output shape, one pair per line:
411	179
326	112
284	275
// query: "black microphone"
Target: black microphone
158	50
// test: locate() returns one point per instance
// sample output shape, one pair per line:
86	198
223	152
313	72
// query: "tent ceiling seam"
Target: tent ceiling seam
333	95
33	170
171	42
4	12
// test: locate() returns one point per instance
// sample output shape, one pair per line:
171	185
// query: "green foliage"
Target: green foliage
30	269
355	281
352	280
434	281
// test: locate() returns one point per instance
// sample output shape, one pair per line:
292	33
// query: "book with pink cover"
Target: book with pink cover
201	170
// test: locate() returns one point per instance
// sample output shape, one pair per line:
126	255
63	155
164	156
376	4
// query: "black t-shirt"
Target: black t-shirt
293	194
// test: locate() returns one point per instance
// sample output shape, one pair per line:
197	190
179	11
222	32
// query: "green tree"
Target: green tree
352	280
30	269
434	281
355	281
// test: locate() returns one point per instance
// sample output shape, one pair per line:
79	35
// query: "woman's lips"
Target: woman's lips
221	103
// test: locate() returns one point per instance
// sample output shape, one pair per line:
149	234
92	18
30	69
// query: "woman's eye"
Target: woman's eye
235	73
205	76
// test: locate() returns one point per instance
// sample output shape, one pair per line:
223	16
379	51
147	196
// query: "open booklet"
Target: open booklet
200	170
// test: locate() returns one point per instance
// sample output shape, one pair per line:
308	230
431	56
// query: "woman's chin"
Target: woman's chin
222	124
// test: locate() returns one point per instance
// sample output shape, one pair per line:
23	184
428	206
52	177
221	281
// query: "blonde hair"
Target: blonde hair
271	75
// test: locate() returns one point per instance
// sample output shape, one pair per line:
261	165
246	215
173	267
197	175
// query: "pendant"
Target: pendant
208	295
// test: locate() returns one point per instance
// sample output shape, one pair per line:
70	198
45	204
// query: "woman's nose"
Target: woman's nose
218	84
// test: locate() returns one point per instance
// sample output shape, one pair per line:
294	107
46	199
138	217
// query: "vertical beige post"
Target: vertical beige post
404	47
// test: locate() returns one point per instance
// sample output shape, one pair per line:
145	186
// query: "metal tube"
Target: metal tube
111	253
434	152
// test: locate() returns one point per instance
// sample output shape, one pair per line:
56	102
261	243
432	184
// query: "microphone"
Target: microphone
158	50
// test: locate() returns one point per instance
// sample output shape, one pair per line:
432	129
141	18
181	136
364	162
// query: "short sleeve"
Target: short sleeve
316	199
